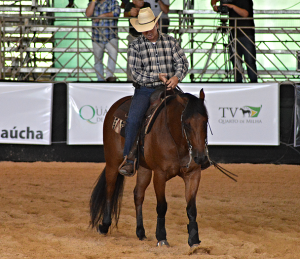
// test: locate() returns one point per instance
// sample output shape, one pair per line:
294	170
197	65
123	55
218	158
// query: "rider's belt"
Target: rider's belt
138	86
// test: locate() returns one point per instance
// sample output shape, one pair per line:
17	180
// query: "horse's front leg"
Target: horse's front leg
161	207
142	182
192	181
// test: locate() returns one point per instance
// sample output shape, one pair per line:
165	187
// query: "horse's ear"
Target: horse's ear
182	100
202	95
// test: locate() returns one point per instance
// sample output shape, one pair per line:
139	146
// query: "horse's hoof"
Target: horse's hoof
142	238
102	229
163	243
140	232
194	249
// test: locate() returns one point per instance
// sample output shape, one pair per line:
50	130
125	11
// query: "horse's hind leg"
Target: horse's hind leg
142	182
191	188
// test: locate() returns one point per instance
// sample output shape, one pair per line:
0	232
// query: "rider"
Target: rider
155	59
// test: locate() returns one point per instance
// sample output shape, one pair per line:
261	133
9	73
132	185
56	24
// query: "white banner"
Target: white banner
239	114
26	111
88	104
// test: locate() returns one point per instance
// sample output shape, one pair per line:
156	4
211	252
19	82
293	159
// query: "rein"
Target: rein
190	147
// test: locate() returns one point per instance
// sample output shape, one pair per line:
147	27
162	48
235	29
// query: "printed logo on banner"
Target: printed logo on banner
245	114
91	114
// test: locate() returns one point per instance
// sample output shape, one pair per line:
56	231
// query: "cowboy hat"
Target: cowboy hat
145	21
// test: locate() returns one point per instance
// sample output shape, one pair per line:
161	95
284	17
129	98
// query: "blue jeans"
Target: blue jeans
139	106
249	60
112	51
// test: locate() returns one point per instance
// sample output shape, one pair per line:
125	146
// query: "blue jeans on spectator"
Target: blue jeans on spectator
249	60
139	106
112	51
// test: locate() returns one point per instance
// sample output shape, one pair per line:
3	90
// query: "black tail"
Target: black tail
98	199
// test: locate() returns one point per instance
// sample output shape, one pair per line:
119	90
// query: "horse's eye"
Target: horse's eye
187	126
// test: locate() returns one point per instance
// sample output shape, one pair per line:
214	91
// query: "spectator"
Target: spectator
124	3
132	10
104	35
246	36
155	60
158	6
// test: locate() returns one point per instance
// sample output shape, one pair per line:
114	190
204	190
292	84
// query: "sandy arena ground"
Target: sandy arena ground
44	213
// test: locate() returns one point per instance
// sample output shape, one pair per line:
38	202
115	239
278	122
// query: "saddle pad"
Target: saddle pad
120	116
123	109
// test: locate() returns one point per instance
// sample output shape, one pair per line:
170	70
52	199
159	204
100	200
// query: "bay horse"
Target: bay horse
175	146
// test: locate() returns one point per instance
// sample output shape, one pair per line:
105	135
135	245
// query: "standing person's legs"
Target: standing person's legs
234	53
112	51
250	59
98	56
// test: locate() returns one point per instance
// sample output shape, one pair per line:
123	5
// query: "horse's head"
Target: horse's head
194	121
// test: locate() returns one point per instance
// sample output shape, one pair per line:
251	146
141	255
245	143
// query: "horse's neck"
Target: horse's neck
174	125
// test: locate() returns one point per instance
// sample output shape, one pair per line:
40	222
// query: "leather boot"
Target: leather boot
127	168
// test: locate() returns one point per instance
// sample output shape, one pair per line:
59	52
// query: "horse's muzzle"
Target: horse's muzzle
200	159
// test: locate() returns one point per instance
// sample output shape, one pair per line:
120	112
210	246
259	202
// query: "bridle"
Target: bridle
190	147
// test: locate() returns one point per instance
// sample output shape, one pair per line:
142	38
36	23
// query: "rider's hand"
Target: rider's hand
163	77
172	83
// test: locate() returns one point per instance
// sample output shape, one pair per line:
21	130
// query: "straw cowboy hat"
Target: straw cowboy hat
145	21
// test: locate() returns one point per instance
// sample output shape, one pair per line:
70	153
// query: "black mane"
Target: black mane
195	105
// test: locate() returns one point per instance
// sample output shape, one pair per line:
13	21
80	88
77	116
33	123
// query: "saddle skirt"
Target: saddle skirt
157	102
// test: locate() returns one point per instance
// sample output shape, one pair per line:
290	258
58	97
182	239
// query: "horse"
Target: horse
245	111
175	146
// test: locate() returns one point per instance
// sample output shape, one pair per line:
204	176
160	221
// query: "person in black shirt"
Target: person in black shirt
246	36
132	10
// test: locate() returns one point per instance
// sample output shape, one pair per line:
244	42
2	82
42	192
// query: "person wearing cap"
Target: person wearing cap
104	35
155	59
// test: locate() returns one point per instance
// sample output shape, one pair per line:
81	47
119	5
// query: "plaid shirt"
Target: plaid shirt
146	60
106	29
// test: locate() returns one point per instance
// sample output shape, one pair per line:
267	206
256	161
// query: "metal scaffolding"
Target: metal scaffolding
38	45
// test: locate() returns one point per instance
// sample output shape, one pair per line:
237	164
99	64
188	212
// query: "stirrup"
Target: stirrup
124	163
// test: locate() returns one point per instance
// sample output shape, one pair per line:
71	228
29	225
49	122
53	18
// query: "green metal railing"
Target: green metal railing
52	49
